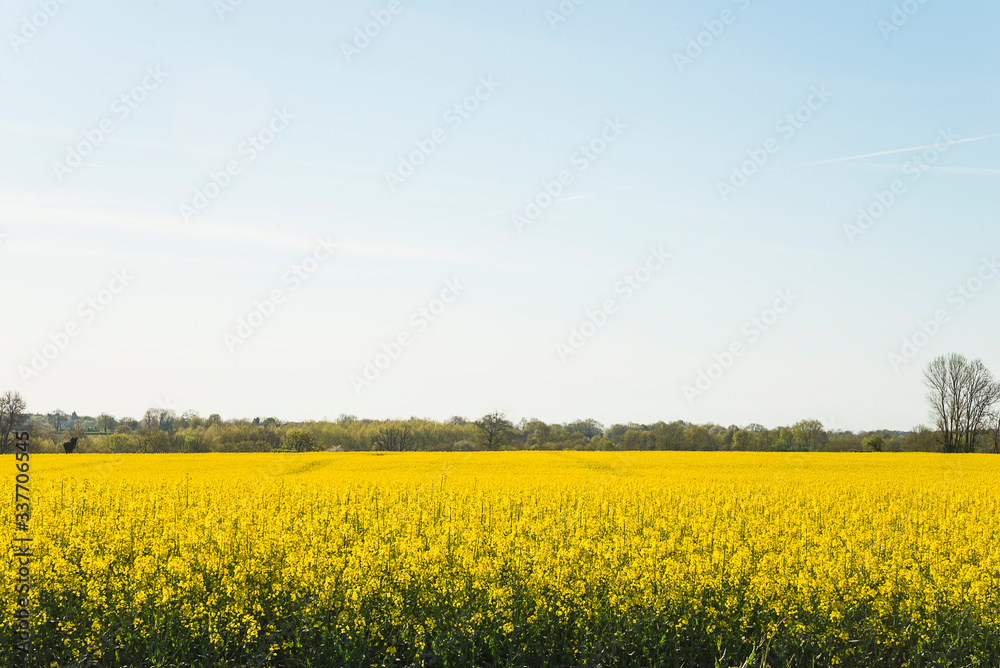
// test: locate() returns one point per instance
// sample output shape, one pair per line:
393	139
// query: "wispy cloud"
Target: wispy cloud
490	214
65	217
588	196
941	169
398	252
904	150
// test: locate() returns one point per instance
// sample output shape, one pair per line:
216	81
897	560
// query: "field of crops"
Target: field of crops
512	559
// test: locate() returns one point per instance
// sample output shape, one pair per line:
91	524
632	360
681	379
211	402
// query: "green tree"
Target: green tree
149	438
783	440
763	440
635	439
668	436
808	435
616	431
875	442
106	422
119	443
697	437
493	430
538	434
921	439
843	441
742	440
300	440
189	419
589	427
728	435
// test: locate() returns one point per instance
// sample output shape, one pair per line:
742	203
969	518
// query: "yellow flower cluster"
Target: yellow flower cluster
365	558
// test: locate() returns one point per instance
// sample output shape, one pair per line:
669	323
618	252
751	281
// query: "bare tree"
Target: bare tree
983	392
939	379
493	429
961	396
12	408
159	418
994	430
394	439
58	418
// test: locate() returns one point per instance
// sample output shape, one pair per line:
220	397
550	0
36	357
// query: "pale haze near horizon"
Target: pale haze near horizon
872	85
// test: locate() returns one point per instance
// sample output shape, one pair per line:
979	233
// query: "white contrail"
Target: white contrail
905	150
889	167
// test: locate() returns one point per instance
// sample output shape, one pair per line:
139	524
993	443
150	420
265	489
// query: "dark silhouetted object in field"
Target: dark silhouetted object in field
70	445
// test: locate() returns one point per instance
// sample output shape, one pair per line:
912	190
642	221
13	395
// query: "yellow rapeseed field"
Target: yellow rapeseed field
512	559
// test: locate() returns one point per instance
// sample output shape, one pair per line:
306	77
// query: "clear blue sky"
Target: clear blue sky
667	121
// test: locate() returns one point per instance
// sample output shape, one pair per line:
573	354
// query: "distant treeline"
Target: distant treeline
162	430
